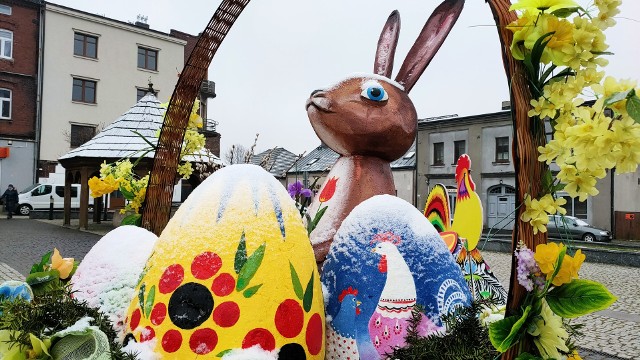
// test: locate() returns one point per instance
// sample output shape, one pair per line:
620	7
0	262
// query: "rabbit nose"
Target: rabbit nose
315	92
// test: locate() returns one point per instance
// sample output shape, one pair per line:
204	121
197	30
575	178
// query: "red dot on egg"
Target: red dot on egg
147	334
259	336
223	285
171	341
171	278
314	336
289	318
226	314
158	313
203	341
205	265
135	319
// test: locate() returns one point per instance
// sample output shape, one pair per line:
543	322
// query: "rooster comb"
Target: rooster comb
349	291
387	237
464	162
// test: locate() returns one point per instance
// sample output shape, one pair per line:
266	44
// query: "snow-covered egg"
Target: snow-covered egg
108	274
232	270
389	258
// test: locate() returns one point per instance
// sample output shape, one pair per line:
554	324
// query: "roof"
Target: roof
131	26
278	161
322	159
408	160
118	140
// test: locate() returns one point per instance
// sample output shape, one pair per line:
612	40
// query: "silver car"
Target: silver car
569	227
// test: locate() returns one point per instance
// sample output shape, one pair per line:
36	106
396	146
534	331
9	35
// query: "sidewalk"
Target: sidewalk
99	229
8	273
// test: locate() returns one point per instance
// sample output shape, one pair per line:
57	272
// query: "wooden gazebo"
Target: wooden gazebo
116	142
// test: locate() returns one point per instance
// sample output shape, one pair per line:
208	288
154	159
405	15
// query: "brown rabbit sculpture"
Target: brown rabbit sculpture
370	121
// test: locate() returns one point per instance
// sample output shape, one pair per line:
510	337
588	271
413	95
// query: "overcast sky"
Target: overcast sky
280	50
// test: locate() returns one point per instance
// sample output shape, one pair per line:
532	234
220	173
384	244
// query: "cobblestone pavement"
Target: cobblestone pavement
615	331
24	241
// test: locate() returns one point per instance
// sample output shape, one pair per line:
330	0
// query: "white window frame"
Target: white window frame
5	10
2	103
4	42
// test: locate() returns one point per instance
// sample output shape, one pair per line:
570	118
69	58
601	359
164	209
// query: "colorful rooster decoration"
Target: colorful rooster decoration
389	323
463	235
341	331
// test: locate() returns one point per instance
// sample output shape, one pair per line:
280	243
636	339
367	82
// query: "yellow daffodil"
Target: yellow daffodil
564	274
521	29
95	186
63	265
574	356
546	255
562	35
548	333
537	6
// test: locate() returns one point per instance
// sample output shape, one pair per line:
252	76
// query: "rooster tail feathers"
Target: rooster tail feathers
437	208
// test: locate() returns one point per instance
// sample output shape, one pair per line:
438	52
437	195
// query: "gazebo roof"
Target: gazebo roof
118	140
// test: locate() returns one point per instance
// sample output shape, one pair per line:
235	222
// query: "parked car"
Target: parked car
570	227
38	196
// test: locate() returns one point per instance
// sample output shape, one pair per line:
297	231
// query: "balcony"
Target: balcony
208	89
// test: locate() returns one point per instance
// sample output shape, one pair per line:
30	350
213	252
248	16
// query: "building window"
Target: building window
84	91
459	148
147	59
140	93
5	104
438	153
4	9
85	45
502	149
80	134
6	44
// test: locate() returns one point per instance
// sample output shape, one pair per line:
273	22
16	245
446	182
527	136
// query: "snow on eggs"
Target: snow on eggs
107	276
232	270
385	259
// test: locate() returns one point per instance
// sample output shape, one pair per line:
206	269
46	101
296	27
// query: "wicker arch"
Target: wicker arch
157	207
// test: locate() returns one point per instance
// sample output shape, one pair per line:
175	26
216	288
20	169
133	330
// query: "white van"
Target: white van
38	196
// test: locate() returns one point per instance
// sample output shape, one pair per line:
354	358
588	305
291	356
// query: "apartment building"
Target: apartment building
94	69
488	140
19	39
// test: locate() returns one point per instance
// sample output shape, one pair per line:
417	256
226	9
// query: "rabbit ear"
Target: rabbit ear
387	45
429	41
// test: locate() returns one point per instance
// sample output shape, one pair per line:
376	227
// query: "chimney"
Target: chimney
142	21
506	105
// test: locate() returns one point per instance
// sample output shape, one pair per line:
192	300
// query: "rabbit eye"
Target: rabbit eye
374	91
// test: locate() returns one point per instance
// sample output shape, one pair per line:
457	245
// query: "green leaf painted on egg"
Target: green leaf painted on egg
250	268
295	280
251	291
241	254
308	294
148	305
223	353
141	297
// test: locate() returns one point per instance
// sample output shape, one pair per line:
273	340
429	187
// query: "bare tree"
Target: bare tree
236	154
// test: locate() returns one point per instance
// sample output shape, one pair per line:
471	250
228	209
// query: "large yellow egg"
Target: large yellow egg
233	269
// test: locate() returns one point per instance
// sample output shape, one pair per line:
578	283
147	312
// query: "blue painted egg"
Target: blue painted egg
387	261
